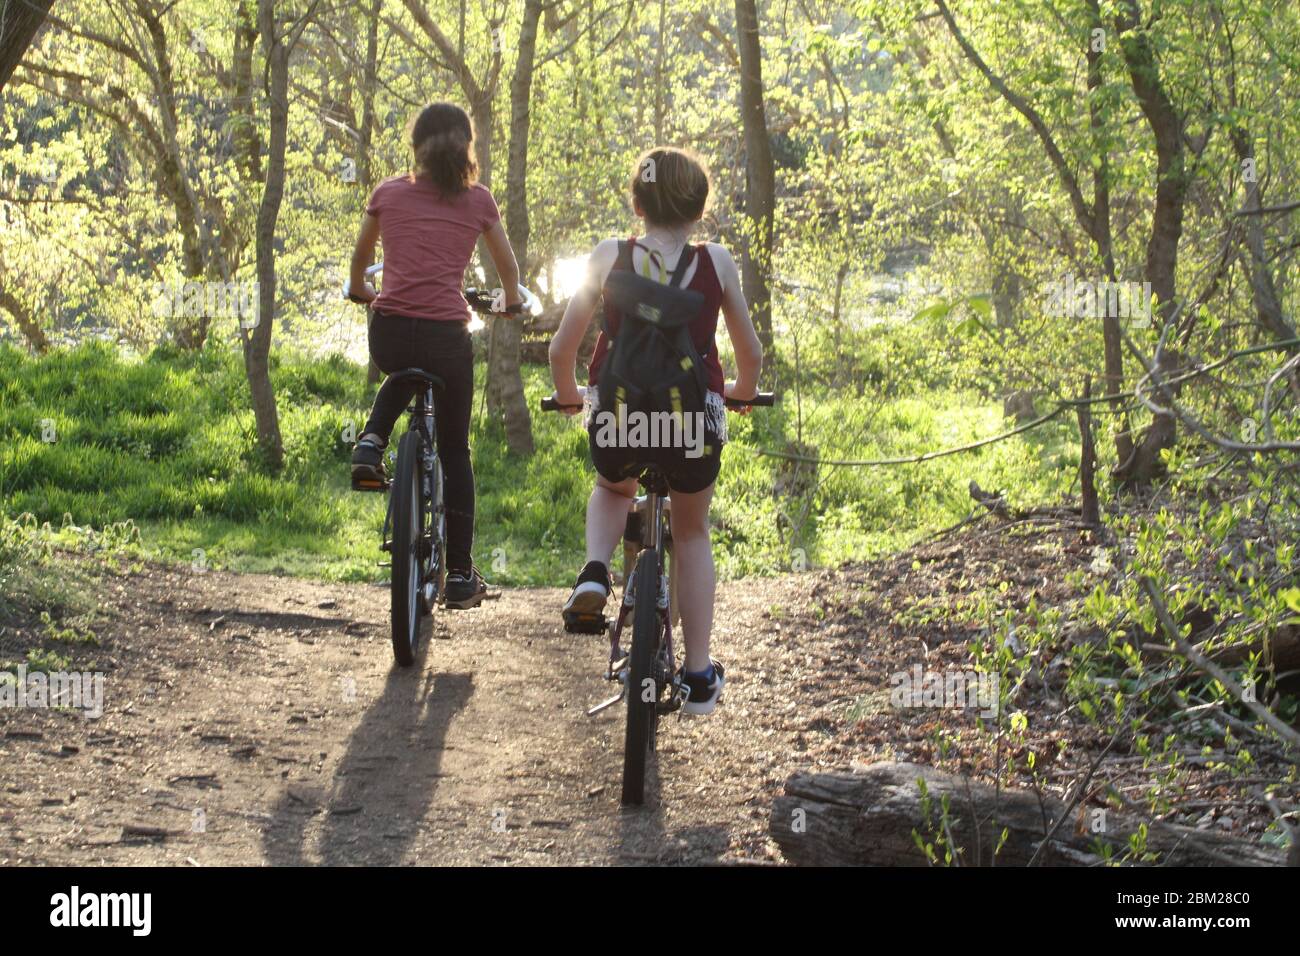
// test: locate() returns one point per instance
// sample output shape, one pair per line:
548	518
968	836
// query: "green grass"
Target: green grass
165	441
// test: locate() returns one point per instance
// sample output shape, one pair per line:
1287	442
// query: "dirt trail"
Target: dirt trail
252	719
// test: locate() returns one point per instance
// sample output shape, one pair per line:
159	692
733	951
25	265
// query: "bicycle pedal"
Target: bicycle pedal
369	484
576	623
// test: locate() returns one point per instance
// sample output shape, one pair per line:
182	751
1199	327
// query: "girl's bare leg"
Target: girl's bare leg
695	575
607	510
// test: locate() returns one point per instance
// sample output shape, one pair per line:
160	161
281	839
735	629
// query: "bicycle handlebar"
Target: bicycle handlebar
765	399
480	300
550	404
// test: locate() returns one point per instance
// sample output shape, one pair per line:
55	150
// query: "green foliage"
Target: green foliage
164	441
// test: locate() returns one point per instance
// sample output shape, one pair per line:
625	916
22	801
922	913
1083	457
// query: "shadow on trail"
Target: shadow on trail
643	837
385	782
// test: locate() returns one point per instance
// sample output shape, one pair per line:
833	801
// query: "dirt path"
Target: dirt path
252	719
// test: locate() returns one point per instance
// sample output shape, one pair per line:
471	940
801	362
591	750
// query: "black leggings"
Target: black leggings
443	349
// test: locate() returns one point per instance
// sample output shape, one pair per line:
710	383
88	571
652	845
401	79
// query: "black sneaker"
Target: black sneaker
591	590
368	465
465	589
704	694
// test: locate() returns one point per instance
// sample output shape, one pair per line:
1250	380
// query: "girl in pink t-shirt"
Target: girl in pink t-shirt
429	222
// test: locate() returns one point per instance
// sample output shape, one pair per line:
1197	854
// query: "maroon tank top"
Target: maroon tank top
703	327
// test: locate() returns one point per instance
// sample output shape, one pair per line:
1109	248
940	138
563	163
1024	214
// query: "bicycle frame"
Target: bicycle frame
420	419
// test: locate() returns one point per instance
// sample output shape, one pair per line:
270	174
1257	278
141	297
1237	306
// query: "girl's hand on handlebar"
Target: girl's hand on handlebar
729	391
503	301
570	402
366	293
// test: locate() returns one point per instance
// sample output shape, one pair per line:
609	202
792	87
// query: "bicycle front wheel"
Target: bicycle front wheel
408	560
642	687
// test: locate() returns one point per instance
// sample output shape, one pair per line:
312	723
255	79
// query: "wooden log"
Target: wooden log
868	818
538	330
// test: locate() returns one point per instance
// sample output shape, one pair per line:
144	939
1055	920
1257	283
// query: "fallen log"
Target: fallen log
868	818
538	331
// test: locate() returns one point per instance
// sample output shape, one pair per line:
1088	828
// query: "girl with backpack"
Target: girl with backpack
669	193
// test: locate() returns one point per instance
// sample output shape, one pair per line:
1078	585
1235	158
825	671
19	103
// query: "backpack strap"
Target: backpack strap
624	258
622	262
688	253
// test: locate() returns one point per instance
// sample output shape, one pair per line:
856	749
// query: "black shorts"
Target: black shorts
687	475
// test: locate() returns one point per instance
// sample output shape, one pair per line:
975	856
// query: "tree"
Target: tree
760	174
276	48
503	375
19	21
505	383
131	71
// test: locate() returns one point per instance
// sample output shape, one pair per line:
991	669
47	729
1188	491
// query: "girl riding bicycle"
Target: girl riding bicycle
670	191
429	222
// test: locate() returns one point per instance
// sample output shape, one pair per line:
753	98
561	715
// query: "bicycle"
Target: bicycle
649	665
416	512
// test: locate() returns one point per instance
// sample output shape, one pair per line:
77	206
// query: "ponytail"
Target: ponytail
441	137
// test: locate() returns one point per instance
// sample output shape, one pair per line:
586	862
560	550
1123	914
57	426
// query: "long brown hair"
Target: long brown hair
441	137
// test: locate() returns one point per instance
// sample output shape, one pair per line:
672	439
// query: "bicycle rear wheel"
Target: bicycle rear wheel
642	687
436	546
408	561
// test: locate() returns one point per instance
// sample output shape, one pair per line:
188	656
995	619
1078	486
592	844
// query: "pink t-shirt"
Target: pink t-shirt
428	240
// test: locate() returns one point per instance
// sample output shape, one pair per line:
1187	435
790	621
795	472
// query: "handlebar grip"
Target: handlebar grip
762	399
480	300
551	404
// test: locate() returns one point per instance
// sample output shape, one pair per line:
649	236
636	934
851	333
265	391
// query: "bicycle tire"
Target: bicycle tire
407	566
438	542
646	635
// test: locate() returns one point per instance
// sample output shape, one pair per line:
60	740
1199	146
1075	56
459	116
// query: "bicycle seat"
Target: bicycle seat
419	375
653	481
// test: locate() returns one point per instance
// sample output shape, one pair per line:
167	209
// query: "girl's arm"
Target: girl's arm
740	327
563	352
362	257
503	257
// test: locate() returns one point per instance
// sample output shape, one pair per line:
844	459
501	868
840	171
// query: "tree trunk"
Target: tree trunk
257	342
1166	126
1090	507
760	175
1268	305
1264	293
505	381
28	324
176	181
248	145
868	819
19	22
365	166
1111	334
